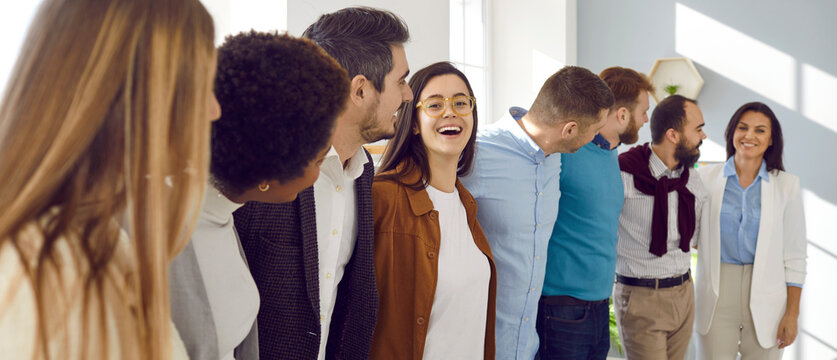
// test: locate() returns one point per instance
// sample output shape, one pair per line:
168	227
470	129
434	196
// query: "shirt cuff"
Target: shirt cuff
795	284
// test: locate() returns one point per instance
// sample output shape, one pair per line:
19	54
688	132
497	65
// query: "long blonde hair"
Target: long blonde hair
105	118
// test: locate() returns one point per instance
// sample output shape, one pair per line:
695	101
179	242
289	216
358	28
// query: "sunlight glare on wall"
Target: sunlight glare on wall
15	17
819	220
712	151
543	66
819	92
260	15
735	55
820	339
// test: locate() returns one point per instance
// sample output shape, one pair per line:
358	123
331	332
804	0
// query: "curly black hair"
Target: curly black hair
280	97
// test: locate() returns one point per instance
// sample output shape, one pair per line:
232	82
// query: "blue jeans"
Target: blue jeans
573	331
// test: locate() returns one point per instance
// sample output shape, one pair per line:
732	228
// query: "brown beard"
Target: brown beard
631	133
369	127
685	156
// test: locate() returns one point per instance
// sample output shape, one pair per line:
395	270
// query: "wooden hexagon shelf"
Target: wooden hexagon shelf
680	72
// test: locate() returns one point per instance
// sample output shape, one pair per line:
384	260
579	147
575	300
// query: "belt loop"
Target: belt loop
656	284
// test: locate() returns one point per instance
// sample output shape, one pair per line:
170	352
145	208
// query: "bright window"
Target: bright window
468	49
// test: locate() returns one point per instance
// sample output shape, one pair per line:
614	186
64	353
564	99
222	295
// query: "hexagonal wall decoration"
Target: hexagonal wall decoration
677	76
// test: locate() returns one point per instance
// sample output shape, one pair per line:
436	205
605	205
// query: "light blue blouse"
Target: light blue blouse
741	216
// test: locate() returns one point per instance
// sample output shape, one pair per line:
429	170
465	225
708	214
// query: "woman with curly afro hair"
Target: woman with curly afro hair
279	99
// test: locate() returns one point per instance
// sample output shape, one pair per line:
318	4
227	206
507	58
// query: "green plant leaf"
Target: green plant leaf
614	330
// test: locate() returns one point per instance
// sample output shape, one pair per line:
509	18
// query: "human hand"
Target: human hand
787	331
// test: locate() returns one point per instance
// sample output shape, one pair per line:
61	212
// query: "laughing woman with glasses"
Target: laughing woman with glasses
434	268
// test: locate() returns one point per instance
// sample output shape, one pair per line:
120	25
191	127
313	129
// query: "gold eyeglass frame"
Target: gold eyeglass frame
447	100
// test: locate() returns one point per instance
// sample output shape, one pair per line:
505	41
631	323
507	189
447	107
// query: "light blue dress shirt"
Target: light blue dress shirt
741	217
517	191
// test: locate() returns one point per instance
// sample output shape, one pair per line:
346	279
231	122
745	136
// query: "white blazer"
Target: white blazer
779	259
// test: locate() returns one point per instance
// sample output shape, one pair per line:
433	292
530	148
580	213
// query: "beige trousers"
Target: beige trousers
655	324
732	329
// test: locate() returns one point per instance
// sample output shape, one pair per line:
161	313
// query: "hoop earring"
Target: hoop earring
264	186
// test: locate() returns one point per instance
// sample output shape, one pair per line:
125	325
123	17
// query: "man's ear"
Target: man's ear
358	89
569	129
623	115
673	136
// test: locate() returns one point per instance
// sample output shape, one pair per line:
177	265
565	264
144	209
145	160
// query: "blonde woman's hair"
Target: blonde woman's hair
106	118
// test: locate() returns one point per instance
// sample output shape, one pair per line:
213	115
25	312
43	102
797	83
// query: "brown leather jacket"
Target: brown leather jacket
406	246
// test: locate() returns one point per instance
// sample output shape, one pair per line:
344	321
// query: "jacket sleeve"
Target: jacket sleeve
794	238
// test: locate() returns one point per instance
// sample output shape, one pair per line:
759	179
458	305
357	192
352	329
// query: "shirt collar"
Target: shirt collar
354	167
510	123
601	142
729	169
658	167
217	207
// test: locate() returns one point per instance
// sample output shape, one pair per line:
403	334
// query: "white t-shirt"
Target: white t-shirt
456	329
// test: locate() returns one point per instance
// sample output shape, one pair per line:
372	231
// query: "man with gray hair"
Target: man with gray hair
312	258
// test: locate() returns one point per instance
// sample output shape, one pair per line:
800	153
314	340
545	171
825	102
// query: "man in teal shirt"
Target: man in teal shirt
573	316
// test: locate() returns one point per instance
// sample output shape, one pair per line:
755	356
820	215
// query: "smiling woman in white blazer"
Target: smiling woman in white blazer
751	267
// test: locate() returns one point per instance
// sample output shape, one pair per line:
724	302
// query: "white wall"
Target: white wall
15	17
530	40
234	16
426	19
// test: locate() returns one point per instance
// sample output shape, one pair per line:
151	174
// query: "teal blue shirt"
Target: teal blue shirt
581	259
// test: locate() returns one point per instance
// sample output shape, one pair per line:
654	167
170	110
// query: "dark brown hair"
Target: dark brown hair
625	84
572	92
670	113
359	38
773	154
407	147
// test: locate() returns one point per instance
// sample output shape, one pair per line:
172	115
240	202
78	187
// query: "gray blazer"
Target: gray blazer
192	315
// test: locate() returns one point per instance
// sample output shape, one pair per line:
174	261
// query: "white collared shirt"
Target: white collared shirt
634	258
334	201
233	296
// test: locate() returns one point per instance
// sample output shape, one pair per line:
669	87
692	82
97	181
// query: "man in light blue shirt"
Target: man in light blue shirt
573	314
515	182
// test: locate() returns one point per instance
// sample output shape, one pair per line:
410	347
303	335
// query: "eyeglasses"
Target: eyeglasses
435	106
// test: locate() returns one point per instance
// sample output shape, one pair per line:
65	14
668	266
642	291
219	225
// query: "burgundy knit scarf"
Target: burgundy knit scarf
635	162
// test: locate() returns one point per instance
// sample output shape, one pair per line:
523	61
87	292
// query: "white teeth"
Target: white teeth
448	128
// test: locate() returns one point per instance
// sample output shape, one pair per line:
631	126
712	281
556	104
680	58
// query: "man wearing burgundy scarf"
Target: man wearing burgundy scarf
659	223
